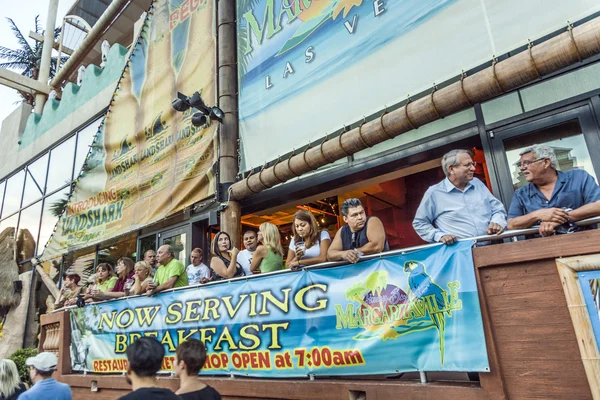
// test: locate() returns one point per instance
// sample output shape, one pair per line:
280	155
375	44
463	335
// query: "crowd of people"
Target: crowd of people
458	207
145	358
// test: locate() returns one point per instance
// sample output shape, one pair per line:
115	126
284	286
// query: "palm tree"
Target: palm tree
27	59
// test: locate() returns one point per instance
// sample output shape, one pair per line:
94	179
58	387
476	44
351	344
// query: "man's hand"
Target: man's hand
204	280
548	228
556	215
494	229
351	256
448	239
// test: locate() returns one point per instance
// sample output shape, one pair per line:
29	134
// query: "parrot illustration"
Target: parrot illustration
421	286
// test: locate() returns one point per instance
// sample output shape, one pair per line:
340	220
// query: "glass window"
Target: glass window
2	184
53	205
35	181
29	225
83	265
14	191
9	222
567	141
61	165
179	243
122	247
84	141
146	243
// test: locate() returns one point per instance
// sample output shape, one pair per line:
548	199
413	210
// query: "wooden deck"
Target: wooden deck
531	342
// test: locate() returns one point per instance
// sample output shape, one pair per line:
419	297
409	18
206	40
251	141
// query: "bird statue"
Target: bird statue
421	286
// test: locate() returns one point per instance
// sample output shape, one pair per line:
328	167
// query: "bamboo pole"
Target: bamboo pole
228	102
570	47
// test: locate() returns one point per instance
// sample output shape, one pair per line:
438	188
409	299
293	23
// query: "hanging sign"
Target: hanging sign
421	307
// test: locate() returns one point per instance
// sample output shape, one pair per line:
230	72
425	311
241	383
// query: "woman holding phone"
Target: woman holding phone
309	245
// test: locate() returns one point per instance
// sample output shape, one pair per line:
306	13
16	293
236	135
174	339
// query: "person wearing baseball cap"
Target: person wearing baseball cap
45	386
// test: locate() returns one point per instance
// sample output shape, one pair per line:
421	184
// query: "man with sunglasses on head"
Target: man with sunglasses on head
460	206
553	199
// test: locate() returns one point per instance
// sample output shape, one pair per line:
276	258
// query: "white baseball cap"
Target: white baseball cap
43	362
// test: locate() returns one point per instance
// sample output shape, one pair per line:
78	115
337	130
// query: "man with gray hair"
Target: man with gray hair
170	273
460	206
361	236
553	199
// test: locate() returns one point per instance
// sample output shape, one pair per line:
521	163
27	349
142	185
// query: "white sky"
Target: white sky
23	13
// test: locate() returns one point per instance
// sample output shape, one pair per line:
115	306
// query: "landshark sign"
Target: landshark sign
413	312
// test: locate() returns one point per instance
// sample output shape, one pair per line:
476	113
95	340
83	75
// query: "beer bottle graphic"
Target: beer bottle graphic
156	123
121	145
195	152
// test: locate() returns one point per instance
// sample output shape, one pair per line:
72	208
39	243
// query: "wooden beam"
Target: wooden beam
20	82
39	38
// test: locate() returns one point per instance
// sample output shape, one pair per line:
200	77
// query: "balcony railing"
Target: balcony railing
512	234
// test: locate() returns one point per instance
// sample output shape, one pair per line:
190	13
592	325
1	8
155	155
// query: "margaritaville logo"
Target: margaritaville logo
385	311
313	13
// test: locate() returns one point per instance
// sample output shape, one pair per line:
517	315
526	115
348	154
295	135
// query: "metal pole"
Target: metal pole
44	74
228	102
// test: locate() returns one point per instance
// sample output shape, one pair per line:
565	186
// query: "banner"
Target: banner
590	287
308	68
147	160
413	312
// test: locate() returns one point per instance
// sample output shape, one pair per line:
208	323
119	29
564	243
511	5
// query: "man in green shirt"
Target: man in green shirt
170	273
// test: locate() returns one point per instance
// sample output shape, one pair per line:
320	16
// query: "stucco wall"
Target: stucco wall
22	142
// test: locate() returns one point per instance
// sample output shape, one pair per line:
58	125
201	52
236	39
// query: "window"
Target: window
14	191
10	222
35	181
2	186
60	170
566	140
84	140
52	207
573	134
29	225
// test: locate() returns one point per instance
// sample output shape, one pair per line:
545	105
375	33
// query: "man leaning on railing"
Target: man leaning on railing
460	206
362	235
553	199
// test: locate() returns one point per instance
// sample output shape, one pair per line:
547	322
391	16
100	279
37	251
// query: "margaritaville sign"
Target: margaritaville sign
421	307
147	161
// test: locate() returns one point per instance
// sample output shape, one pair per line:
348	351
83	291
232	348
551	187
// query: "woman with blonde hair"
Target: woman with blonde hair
268	256
142	272
223	264
309	245
10	382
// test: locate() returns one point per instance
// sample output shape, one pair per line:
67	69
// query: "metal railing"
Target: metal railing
515	233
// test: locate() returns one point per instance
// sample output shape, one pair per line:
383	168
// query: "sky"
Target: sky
23	13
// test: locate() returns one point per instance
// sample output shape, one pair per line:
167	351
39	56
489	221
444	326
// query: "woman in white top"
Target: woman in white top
308	246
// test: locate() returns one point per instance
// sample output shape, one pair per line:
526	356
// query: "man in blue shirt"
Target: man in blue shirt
44	386
553	199
460	206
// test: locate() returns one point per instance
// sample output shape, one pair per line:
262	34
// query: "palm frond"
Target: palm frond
38	28
20	38
14	65
58	206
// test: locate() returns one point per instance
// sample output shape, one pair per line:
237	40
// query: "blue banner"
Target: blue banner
412	312
590	286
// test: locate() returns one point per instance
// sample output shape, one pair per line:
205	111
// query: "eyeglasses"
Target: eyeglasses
527	163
